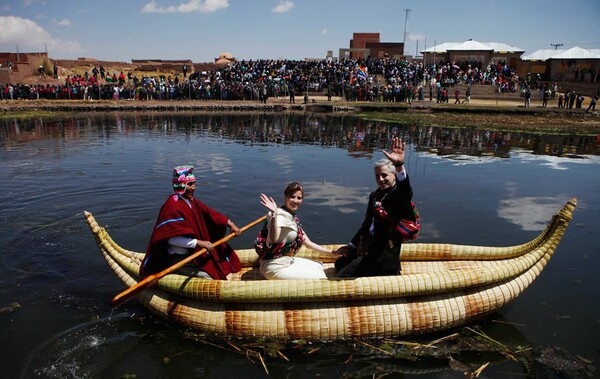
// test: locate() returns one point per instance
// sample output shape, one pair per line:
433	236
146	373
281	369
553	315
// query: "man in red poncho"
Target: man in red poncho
186	225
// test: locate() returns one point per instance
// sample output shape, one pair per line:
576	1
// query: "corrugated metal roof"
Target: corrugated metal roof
576	53
573	53
471	45
541	55
499	47
441	48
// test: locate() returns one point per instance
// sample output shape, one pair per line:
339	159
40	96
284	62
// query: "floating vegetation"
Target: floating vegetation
24	114
470	351
11	308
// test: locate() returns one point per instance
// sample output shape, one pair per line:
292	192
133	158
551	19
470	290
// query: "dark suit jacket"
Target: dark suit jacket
383	246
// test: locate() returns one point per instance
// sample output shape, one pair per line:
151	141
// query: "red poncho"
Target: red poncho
201	222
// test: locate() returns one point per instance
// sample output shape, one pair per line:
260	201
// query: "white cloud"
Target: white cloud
28	35
324	31
63	22
27	3
283	6
6	7
205	6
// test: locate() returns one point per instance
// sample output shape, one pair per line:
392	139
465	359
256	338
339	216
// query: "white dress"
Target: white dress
287	267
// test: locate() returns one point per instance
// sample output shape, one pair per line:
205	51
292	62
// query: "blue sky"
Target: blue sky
201	30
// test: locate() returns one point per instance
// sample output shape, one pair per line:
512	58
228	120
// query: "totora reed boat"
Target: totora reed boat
441	286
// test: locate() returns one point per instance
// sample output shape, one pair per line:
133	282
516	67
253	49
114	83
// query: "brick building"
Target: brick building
363	45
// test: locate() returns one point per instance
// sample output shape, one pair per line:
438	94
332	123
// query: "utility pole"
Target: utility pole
405	24
556	45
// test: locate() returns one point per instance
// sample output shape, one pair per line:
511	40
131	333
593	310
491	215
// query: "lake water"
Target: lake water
471	186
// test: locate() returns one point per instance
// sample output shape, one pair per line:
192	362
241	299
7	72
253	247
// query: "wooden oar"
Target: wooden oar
152	279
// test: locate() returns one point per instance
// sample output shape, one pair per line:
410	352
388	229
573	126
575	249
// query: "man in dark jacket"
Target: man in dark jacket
390	220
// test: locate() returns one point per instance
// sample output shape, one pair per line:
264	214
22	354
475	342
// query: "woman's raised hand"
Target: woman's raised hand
268	202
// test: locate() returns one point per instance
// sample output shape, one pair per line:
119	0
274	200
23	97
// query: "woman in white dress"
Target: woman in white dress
280	240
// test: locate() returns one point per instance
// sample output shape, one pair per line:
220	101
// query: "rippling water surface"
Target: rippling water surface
471	186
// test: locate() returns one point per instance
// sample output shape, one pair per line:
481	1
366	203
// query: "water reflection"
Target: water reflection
530	212
335	195
460	143
359	137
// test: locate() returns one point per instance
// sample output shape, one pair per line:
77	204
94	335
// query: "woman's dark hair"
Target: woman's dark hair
292	188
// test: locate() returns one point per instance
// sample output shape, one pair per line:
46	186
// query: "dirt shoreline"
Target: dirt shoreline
491	114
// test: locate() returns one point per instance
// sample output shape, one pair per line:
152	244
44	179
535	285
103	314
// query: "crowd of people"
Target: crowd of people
369	79
380	79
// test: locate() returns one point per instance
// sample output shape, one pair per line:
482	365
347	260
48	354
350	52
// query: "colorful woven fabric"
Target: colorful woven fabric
408	229
277	250
182	175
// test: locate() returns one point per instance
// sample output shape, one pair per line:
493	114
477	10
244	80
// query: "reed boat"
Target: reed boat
442	286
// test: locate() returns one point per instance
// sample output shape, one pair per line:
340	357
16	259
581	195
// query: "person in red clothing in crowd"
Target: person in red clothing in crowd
186	225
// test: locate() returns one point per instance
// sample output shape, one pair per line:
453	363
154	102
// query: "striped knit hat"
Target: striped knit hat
182	175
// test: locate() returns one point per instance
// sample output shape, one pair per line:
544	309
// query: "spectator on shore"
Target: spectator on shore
546	96
592	105
527	98
572	98
560	100
579	101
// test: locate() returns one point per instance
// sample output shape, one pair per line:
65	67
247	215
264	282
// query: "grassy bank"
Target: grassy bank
507	116
546	122
491	115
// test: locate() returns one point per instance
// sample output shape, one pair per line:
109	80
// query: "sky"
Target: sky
201	30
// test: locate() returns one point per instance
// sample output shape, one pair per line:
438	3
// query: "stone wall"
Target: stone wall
24	65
